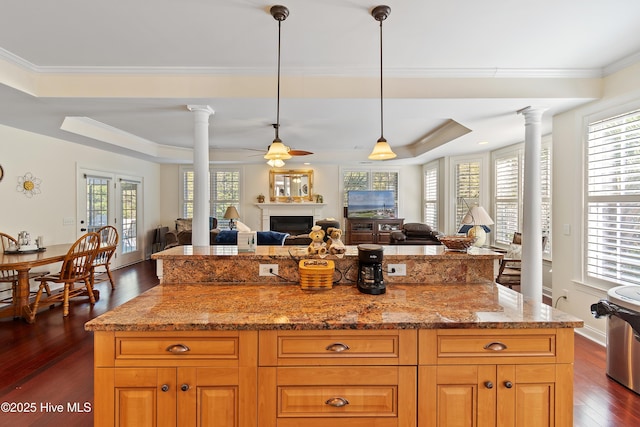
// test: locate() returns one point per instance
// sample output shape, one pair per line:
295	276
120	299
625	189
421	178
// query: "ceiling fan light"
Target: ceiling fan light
277	151
382	151
275	163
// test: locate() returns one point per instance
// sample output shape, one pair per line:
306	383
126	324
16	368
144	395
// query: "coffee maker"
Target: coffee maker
370	280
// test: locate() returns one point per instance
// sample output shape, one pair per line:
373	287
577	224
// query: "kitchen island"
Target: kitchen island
269	354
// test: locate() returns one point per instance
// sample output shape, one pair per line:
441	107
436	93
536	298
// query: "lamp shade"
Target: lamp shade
231	213
382	151
275	163
478	219
477	216
277	151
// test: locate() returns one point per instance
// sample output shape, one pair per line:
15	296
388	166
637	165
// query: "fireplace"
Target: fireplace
293	225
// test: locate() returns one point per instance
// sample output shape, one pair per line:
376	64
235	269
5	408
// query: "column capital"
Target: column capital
201	108
532	113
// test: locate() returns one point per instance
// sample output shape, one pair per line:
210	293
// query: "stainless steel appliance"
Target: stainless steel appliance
370	280
622	308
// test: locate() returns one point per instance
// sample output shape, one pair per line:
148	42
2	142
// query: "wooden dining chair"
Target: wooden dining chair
108	244
11	276
75	269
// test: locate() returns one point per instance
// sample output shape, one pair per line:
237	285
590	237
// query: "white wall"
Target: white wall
55	162
621	89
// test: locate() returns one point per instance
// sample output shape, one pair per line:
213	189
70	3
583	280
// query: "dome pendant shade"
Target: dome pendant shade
382	151
277	151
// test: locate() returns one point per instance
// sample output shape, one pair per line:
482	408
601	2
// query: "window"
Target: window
613	199
430	215
508	191
224	191
467	185
370	180
508	188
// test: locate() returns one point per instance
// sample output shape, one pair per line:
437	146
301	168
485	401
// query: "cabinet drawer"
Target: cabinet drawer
333	395
290	348
493	346
176	348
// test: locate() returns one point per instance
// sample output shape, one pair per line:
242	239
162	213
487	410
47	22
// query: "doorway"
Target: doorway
106	198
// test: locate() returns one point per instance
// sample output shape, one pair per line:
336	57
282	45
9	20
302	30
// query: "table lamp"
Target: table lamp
231	214
475	224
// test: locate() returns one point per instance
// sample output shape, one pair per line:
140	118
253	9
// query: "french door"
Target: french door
111	199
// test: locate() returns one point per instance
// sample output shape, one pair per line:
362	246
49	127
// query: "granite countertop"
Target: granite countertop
190	307
274	252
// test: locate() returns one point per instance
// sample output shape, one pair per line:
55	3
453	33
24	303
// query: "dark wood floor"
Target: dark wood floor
51	362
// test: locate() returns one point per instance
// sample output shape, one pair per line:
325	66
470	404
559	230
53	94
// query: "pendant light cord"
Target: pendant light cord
381	94
278	97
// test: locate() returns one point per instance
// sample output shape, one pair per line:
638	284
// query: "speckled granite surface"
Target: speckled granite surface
189	307
224	264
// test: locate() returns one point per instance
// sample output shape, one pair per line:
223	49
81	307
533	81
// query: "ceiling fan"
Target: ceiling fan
290	150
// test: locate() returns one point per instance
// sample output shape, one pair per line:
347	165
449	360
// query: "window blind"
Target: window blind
613	199
431	196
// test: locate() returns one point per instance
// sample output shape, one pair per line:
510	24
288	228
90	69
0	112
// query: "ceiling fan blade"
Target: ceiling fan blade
299	152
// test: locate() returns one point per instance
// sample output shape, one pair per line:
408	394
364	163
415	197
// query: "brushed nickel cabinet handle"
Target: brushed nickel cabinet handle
178	348
495	346
337	402
337	347
488	384
508	384
165	387
184	387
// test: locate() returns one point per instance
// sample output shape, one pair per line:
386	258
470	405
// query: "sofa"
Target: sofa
414	233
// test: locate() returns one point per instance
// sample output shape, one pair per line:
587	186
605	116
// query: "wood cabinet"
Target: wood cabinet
496	378
351	378
346	378
175	379
369	230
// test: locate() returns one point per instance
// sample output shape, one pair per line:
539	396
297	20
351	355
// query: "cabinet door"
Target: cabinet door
461	396
214	397
526	395
144	397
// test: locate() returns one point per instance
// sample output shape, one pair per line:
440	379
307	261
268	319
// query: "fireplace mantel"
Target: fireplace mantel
289	209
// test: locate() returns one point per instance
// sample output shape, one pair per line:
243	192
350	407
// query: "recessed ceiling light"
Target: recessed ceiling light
483	142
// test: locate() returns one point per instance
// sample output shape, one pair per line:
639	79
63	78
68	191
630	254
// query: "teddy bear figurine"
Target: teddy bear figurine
336	246
317	245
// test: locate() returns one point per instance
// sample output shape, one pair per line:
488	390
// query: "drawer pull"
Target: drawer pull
495	346
178	348
165	387
337	402
488	384
184	387
337	347
508	384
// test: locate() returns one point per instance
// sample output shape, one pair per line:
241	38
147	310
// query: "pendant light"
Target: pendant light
382	150
277	150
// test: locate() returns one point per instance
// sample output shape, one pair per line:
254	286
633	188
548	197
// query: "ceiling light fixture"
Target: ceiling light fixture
277	150
382	150
277	163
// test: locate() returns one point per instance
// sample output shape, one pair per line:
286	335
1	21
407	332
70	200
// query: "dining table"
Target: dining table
22	263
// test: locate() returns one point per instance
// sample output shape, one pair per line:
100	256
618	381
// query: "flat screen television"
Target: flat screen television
371	204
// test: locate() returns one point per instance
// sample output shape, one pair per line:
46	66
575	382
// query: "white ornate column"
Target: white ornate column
200	232
531	274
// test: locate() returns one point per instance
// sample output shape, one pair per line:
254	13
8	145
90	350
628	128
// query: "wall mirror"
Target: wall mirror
291	185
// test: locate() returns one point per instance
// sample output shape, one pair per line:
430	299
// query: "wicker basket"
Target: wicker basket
457	243
316	274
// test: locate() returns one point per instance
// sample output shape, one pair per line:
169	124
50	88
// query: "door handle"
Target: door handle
83	229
